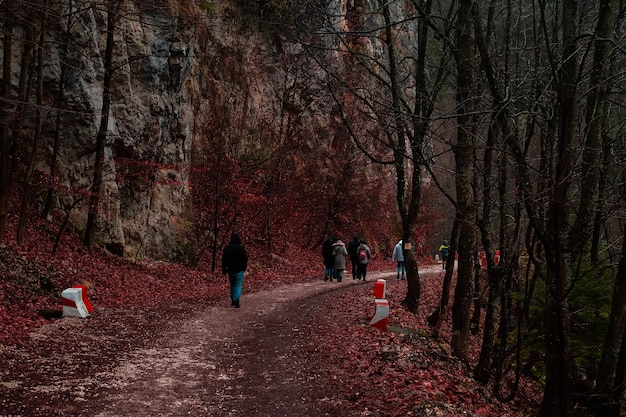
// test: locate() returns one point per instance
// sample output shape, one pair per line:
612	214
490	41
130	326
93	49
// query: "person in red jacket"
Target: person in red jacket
235	263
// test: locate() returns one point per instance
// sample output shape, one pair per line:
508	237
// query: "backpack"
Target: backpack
362	254
445	251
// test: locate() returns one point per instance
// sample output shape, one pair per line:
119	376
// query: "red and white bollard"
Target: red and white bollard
380	288
75	302
381	312
381	306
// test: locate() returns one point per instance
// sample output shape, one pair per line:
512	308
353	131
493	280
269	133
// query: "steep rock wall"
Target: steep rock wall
184	77
145	206
171	63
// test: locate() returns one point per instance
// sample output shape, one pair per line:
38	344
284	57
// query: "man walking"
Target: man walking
353	252
235	263
445	251
398	256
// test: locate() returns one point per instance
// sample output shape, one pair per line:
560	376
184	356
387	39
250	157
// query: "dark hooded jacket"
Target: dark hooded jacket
234	258
327	252
353	249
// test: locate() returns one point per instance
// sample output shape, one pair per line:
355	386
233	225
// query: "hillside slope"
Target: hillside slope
367	369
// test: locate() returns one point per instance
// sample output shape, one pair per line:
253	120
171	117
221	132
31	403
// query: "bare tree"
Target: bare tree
39	120
568	172
112	9
5	113
464	155
388	108
497	203
610	383
66	69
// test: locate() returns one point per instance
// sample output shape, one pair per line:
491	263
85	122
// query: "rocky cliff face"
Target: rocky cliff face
184	76
145	206
171	63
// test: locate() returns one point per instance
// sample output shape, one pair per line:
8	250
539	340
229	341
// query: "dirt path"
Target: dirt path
202	361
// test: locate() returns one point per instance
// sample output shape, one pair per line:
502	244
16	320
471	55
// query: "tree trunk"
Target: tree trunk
560	375
595	120
65	68
608	391
608	382
486	223
216	213
27	190
503	334
619	386
96	186
26	68
5	107
464	157
482	369
408	193
436	317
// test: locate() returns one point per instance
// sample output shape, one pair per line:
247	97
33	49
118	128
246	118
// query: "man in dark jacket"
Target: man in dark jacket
329	258
235	263
353	249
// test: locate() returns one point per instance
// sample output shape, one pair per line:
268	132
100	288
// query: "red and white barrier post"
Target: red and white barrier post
75	302
380	288
85	298
381	306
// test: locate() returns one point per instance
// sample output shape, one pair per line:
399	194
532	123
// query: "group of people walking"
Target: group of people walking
336	254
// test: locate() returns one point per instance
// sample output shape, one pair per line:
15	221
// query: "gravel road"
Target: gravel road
191	361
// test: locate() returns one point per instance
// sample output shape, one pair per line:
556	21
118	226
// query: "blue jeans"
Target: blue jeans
361	271
338	274
401	269
329	272
236	283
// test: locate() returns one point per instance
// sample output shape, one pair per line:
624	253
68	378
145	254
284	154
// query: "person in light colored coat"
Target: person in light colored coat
340	253
398	256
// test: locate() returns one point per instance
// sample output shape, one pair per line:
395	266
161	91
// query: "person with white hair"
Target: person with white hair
339	253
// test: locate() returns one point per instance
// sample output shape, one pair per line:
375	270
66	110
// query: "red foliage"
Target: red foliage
282	214
32	279
403	370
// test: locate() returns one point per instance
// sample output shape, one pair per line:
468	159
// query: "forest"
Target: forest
152	130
